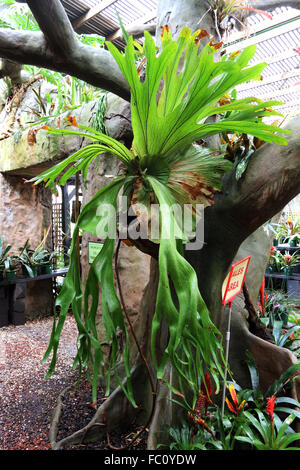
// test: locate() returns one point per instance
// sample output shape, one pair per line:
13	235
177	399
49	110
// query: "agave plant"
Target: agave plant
169	109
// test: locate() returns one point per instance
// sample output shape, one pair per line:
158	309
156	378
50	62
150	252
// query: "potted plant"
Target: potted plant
279	234
294	240
3	255
46	261
11	263
290	229
275	260
271	266
289	261
274	306
30	260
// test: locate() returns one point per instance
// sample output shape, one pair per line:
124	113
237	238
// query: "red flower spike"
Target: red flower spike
262	291
270	409
270	405
204	425
200	404
206	389
204	397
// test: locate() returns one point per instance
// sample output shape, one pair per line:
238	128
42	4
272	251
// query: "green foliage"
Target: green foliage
17	16
163	166
177	119
11	263
185	438
277	307
32	258
68	93
285	338
3	252
252	419
98	119
260	433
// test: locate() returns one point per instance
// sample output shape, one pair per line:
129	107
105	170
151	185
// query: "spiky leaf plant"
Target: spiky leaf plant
169	109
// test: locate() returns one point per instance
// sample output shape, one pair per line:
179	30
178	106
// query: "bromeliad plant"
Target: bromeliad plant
169	109
4	249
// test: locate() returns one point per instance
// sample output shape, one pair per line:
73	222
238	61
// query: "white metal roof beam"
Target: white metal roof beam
283	91
277	57
271	79
285	28
92	13
256	28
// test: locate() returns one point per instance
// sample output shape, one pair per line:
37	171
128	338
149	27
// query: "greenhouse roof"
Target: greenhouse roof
277	36
278	44
100	17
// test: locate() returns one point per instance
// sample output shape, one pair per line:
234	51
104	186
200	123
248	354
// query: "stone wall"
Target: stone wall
25	211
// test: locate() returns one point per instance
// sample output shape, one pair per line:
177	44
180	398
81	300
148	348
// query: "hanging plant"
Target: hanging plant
164	166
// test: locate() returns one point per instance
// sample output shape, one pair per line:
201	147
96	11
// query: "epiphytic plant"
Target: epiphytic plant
169	109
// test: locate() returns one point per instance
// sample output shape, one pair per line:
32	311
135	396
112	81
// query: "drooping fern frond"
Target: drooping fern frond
169	108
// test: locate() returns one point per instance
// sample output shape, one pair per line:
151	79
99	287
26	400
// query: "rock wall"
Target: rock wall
25	211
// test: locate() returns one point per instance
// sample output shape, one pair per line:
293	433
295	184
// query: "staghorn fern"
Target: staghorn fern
163	166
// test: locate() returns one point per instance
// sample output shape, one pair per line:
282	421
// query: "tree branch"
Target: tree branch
95	66
271	180
55	24
136	30
272	4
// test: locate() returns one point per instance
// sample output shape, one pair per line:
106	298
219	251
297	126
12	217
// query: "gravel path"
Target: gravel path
27	398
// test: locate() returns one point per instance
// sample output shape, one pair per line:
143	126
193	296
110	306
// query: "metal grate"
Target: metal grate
57	232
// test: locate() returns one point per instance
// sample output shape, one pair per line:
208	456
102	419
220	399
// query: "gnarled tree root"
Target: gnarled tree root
115	412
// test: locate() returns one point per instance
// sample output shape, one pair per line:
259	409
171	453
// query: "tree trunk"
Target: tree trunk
230	236
232	231
231	225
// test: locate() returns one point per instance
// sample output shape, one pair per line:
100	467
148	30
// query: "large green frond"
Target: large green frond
191	84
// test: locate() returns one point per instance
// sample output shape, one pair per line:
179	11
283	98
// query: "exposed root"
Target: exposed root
115	412
57	415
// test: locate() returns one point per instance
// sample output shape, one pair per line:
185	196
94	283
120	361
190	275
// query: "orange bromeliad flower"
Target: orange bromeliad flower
235	407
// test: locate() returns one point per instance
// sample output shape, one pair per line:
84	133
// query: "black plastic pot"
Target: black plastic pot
293	242
26	273
45	269
10	275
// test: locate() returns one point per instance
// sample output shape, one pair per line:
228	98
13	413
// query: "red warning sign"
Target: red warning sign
234	280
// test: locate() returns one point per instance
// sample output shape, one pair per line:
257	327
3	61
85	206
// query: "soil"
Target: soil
28	397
